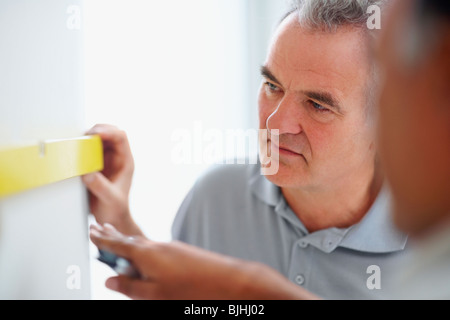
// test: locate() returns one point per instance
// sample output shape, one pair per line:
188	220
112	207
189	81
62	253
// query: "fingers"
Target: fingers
112	137
99	186
110	229
133	288
106	131
113	241
119	162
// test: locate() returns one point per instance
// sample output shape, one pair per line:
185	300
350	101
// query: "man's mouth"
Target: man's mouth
284	150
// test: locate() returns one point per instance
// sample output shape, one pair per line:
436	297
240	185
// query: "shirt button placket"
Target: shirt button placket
300	262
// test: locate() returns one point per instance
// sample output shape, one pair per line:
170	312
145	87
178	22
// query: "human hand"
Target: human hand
109	190
180	271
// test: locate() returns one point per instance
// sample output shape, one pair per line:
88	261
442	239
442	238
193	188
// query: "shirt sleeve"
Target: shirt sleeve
212	208
187	226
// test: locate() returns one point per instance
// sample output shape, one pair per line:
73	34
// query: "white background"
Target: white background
153	67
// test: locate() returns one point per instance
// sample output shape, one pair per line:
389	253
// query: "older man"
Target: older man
323	220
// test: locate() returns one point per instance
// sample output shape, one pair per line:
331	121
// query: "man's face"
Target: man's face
315	93
414	128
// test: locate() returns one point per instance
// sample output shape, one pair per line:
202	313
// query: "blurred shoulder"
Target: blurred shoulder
220	177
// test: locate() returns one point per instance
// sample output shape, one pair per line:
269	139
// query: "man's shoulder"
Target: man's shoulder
221	177
221	196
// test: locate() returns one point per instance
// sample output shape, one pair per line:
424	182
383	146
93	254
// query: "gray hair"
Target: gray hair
329	15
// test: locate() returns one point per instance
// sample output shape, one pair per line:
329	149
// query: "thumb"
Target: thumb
99	186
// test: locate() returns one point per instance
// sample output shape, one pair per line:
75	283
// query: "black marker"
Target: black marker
120	265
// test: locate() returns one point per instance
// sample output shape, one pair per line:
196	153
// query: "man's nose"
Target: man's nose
286	118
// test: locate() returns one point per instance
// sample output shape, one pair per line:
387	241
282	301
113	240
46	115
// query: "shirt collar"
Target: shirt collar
375	233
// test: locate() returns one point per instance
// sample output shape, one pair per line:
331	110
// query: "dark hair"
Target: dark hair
429	21
437	8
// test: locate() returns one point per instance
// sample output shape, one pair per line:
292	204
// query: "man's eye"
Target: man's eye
318	107
271	86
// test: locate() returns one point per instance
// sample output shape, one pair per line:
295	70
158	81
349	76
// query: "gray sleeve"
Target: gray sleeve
187	224
213	207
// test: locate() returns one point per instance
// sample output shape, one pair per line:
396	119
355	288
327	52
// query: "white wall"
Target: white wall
43	232
44	243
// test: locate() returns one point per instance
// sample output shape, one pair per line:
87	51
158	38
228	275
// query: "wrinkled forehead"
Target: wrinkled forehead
335	60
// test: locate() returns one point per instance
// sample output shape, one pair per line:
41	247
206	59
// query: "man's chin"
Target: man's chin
289	176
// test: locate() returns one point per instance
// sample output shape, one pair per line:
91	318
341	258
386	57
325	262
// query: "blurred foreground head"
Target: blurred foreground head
415	112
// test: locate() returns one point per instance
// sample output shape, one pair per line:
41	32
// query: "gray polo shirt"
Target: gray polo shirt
236	211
